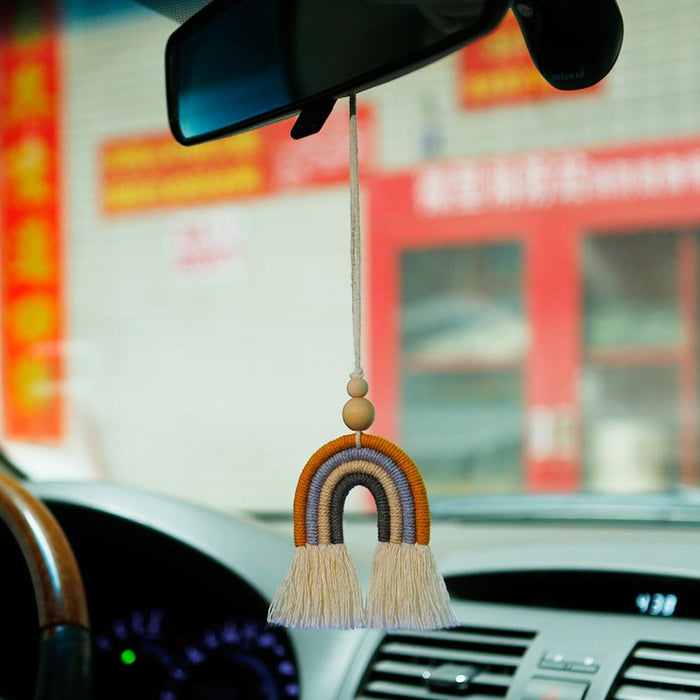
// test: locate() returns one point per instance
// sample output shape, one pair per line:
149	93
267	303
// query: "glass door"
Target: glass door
640	360
463	342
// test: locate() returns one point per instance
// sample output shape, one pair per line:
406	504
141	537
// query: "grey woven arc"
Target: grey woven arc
408	514
345	485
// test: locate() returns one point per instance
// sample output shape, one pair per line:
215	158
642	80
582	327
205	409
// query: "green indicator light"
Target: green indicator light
128	657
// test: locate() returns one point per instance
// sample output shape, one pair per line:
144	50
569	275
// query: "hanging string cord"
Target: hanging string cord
355	242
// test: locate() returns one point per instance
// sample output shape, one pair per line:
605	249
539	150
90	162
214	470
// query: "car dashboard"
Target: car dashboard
178	597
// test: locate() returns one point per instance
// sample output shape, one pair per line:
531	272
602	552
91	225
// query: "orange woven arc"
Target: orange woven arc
405	463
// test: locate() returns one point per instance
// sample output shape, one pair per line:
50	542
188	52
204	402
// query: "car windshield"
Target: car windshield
179	318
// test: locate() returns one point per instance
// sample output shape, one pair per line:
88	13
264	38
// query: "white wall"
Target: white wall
214	388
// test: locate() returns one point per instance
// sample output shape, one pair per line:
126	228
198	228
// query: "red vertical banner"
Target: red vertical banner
31	258
553	279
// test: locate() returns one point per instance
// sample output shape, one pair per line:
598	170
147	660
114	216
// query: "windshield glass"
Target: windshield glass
179	318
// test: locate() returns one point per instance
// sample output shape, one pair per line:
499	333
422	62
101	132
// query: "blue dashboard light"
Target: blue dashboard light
120	630
267	640
138	624
286	668
211	640
194	655
155	622
178	674
103	643
230	633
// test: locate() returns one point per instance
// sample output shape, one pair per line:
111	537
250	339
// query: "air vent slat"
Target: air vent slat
434	665
467	657
629	692
466	637
398	668
398	690
493	679
659	672
667	655
666	676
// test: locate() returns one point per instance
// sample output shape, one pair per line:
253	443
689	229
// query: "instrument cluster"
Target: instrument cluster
171	623
148	654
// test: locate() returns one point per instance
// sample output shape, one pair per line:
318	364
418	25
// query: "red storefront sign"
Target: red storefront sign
548	204
31	256
558	179
141	173
498	70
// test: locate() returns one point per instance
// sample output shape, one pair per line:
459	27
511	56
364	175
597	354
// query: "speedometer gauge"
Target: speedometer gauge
146	655
135	657
239	661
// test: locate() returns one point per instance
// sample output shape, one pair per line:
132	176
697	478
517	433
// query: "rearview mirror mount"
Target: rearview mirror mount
240	64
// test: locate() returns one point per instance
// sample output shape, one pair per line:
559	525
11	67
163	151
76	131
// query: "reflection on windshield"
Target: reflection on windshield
177	319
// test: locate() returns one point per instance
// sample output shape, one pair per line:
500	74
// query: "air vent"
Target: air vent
476	663
659	672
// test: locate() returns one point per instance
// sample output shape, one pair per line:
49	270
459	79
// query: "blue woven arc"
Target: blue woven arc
366	454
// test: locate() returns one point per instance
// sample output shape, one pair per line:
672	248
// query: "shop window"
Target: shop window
636	367
463	341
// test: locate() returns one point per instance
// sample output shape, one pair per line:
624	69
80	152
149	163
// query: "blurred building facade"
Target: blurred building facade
531	270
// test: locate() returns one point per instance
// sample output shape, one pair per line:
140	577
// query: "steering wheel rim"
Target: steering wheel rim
64	625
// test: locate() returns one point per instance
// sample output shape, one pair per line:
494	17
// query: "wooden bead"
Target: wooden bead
358	414
358	387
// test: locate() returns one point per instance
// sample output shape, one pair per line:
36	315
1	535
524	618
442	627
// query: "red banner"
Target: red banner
140	173
498	70
149	172
31	292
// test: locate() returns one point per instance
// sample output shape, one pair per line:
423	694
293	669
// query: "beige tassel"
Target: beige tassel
321	589
406	590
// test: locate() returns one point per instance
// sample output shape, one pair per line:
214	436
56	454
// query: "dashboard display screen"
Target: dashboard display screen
651	595
657	604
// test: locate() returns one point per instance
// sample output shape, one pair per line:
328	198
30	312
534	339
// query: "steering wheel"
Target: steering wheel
65	646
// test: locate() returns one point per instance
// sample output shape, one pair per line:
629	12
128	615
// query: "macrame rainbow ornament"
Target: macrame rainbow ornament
321	588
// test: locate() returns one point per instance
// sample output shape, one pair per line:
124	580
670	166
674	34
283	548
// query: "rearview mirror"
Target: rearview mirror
240	64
